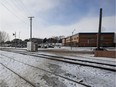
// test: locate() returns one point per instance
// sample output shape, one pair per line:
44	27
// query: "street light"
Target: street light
71	38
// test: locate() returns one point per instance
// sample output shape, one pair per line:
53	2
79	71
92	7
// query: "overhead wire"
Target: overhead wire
25	7
20	4
9	10
13	9
17	8
20	7
6	6
16	5
30	13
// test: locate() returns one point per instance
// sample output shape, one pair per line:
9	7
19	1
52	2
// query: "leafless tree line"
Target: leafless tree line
3	37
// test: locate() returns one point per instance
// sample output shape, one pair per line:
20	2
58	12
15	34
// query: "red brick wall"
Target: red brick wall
105	54
91	40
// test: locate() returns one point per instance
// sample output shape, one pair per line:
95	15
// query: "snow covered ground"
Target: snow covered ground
9	79
80	48
88	57
87	75
37	76
69	48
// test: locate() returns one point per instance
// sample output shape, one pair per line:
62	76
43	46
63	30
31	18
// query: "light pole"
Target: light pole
71	38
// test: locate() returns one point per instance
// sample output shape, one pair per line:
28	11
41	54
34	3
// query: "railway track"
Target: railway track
18	75
105	66
94	64
75	81
37	56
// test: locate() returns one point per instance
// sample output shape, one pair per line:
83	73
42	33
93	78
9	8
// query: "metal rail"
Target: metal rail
79	60
25	52
104	66
61	57
18	75
78	82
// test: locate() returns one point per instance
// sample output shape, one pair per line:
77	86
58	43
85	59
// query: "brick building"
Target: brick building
89	39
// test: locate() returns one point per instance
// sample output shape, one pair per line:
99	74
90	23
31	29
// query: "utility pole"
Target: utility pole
31	27
99	31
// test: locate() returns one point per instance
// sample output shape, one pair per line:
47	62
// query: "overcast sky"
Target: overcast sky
55	17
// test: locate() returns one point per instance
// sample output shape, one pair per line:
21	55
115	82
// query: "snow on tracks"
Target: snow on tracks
37	77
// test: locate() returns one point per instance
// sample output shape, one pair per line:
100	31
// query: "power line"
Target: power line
12	12
12	6
20	7
25	7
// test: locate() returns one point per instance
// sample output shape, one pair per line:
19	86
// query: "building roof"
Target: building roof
90	33
97	33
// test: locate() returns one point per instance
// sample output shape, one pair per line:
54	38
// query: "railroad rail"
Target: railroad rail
75	81
33	85
94	64
105	66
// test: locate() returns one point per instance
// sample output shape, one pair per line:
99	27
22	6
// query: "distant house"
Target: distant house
89	39
36	40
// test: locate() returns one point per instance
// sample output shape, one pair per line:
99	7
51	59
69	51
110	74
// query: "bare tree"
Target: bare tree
3	36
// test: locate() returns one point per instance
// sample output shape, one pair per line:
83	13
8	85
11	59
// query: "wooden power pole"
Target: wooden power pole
99	31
